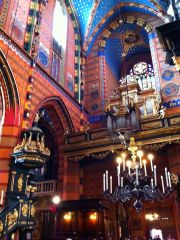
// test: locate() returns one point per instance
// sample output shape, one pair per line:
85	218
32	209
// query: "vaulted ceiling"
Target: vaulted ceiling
94	16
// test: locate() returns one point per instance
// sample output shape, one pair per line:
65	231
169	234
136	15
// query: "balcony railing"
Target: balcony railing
47	187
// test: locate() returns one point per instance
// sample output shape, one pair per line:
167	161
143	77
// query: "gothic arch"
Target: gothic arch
55	106
9	91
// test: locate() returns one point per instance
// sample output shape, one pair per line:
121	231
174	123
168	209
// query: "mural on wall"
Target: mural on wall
17	31
170	90
43	57
70	82
3	11
168	75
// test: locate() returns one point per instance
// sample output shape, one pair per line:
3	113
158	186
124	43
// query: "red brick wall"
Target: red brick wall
43	88
92	81
111	83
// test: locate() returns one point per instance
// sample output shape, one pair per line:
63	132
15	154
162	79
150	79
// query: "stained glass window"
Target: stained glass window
60	24
59	41
143	73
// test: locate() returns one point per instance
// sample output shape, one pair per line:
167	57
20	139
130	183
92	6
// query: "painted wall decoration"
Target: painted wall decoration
170	89
1	4
70	82
18	30
94	107
173	103
94	94
168	75
43	57
4	4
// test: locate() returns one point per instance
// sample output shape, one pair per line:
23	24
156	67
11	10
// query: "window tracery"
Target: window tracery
143	74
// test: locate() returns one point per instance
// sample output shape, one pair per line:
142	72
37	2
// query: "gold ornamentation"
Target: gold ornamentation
13	173
33	210
156	146
174	178
25	209
21	146
176	60
1	226
11	217
43	149
20	183
30	145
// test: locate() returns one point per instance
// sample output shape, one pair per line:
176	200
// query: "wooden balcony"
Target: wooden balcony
47	188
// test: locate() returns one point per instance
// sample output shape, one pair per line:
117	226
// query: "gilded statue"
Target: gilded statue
20	183
24	210
43	149
21	146
11	217
33	210
28	143
1	226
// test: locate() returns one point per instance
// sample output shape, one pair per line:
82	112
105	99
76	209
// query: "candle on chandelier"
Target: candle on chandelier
106	180
128	163
145	170
110	184
137	182
2	197
169	178
119	161
118	175
140	154
166	175
123	159
152	182
150	157
121	181
155	176
162	181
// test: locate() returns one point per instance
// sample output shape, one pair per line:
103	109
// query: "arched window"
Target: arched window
60	25
143	73
59	42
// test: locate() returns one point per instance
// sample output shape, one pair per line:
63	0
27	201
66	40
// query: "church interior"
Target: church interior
89	119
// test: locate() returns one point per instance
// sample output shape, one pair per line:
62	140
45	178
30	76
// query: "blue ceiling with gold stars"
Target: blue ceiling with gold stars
115	47
94	16
90	13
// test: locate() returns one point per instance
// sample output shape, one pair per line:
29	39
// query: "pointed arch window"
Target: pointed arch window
59	42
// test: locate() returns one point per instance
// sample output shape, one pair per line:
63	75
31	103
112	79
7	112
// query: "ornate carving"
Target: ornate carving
24	210
156	146
162	112
21	146
13	173
20	183
11	217
1	226
43	149
33	210
174	178
30	145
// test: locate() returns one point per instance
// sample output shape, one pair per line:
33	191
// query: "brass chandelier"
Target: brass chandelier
134	181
